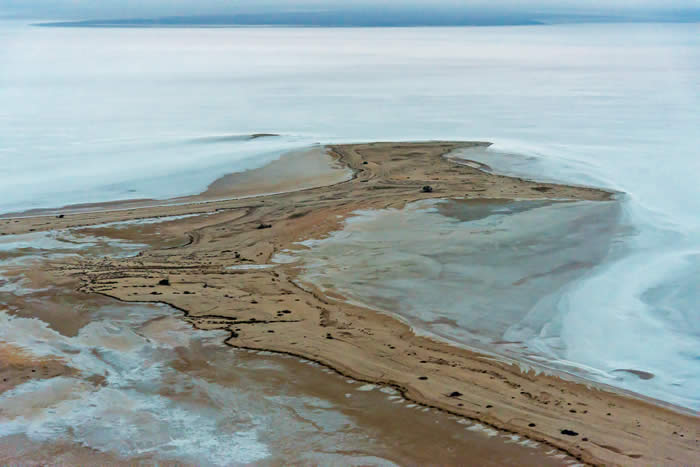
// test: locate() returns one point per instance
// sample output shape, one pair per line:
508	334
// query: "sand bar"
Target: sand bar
59	398
270	309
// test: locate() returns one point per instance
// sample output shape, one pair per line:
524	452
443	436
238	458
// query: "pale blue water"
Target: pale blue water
98	114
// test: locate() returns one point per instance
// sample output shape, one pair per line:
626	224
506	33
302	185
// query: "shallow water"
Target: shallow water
489	274
639	309
85	113
482	273
139	384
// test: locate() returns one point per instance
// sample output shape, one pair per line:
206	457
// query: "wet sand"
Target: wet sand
90	380
294	171
273	309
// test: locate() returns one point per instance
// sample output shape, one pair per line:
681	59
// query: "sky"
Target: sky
92	9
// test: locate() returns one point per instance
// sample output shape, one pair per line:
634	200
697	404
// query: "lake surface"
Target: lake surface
98	114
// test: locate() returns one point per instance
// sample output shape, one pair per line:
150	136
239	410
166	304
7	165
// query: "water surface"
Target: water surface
488	274
96	114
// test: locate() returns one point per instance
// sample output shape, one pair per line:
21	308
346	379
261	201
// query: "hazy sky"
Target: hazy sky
80	9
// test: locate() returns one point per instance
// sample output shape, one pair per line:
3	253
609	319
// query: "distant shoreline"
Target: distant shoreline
336	20
304	20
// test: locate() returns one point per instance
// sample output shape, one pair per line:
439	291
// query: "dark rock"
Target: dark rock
328	336
455	394
427	189
531	425
569	433
364	163
60	216
542	189
264	226
489	406
164	282
422	378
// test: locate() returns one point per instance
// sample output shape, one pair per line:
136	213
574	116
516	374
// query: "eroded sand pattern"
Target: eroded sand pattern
87	379
192	264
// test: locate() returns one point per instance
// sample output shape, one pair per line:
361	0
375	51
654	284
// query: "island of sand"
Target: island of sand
214	262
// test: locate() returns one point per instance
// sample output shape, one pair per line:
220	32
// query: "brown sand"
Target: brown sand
297	171
16	367
372	433
270	309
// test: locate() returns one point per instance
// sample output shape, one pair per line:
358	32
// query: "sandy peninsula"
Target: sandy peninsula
200	263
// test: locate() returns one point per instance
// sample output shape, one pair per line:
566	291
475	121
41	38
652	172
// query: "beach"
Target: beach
232	261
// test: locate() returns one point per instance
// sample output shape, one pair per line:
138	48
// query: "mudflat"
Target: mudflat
204	265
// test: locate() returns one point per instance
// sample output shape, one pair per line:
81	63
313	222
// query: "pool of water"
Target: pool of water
495	275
